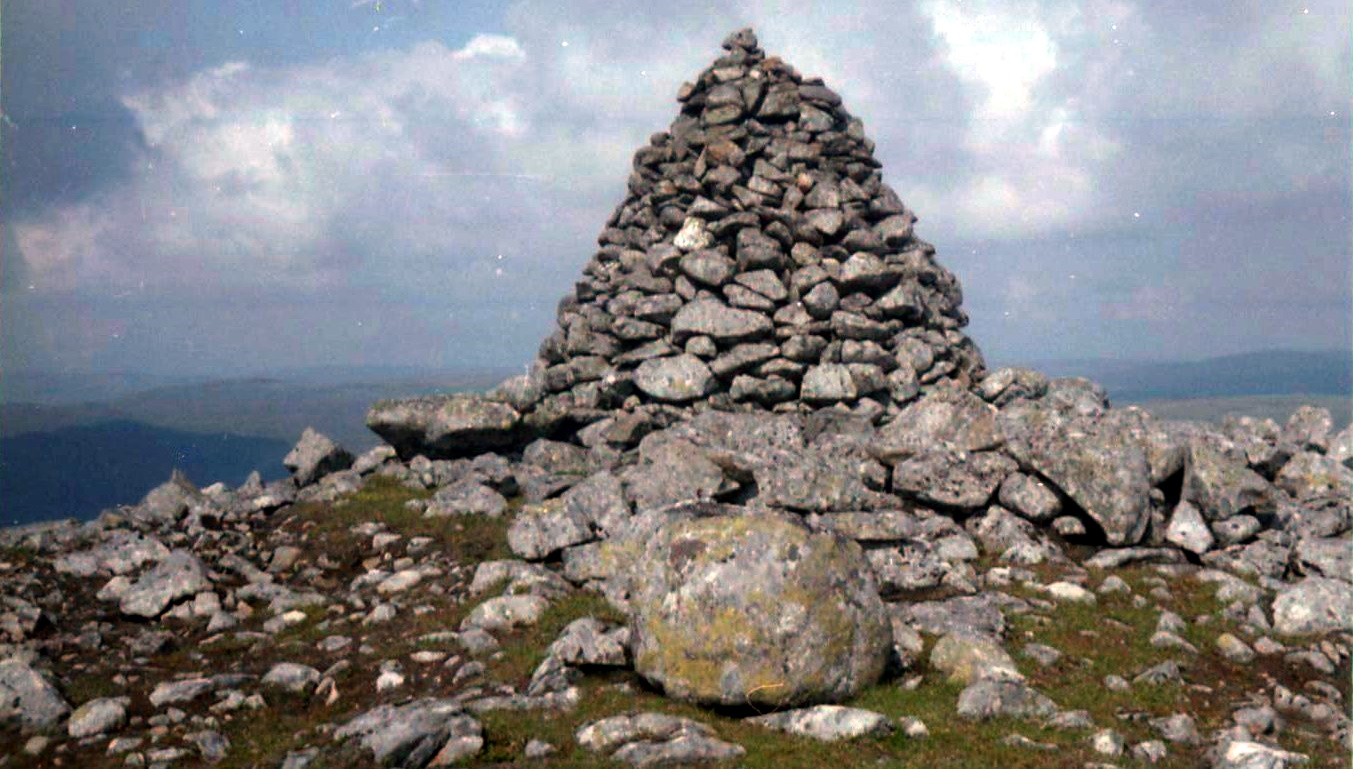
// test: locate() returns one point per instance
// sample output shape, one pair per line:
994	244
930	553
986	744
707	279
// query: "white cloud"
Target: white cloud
412	169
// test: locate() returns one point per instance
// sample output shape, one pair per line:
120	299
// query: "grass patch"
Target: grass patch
524	648
468	538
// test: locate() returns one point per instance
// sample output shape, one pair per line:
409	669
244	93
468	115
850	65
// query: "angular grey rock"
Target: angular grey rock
948	479
180	691
445	426
910	566
988	698
1179	727
1330	557
26	696
1309	429
814	482
1030	497
1099	466
977	615
314	457
828	383
1309	475
1314	605
946	418
749	627
587	641
718	321
1007	385
292	676
465	497
179	575
1188	530
1244	754
1221	487
170	500
505	612
677	471
828	723
121	553
541	530
707	267
677	379
416	734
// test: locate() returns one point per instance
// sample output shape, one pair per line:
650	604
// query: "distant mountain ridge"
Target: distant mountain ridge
1272	372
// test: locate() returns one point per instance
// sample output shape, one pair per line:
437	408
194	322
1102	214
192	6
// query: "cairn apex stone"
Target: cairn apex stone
730	612
445	426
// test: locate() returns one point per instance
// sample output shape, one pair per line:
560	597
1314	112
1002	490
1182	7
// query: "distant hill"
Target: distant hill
1275	372
266	407
78	471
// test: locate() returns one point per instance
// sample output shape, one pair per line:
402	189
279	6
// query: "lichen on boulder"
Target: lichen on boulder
757	610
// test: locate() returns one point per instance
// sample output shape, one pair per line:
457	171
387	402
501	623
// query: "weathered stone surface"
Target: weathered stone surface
98	716
677	379
1101	468
1189	530
315	456
813	481
292	676
655	739
1221	487
425	732
730	614
676	471
122	553
505	612
466	497
968	658
1309	475
445	426
948	418
1314	605
948	479
178	576
828	723
26	696
541	530
718	321
988	698
1030	497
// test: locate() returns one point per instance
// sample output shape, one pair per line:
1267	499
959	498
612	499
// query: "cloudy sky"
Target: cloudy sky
233	187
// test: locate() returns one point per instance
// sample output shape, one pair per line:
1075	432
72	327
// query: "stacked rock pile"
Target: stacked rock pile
758	261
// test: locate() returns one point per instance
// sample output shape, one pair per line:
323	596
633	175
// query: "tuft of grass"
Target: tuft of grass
469	538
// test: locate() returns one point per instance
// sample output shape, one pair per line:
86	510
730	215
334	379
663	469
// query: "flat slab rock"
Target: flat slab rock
417	734
655	739
445	426
827	723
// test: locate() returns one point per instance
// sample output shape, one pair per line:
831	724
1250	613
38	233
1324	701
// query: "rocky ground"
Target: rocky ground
480	611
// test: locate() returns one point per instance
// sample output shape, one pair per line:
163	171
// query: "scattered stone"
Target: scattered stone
828	723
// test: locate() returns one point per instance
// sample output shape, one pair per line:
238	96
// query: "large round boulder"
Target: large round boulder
757	610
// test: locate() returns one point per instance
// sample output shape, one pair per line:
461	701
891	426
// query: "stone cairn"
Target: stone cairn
759	262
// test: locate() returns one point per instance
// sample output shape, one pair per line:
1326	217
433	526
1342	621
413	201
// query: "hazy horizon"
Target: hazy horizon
209	189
